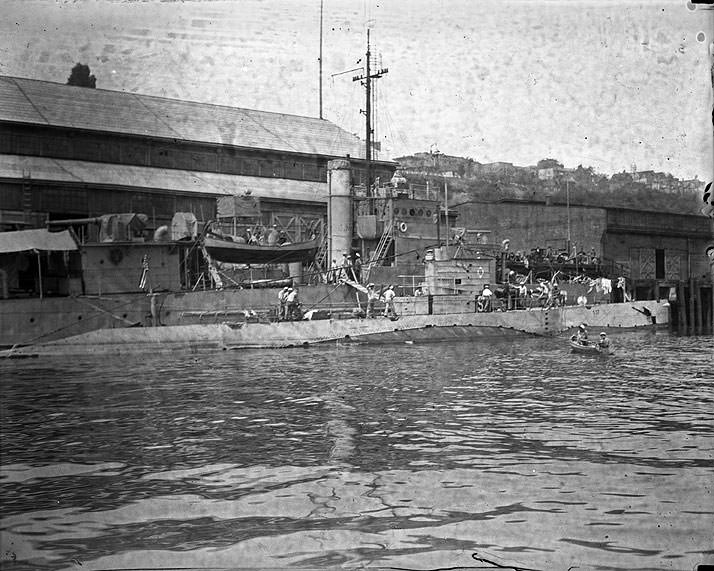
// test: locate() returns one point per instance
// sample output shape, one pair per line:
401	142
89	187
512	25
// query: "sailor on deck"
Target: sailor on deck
346	268
293	303
372	298
283	301
388	297
483	301
334	272
357	267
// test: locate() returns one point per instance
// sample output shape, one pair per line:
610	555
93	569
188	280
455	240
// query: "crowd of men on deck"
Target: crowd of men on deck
349	268
549	255
515	293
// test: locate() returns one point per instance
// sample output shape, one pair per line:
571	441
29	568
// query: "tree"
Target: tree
81	77
549	164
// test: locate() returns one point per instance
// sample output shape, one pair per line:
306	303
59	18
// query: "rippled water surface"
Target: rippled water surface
413	456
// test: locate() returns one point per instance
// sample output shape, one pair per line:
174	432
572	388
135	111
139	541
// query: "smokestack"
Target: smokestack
339	209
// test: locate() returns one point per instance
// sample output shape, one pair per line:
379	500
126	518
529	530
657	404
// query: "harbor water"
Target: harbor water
409	456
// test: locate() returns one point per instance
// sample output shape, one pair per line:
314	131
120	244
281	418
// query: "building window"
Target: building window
270	168
659	264
310	172
250	167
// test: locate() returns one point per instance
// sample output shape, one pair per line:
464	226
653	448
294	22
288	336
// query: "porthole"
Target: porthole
32	319
411	212
428	212
420	212
79	318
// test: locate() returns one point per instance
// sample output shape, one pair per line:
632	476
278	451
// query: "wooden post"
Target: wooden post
711	320
681	309
39	271
690	329
699	310
711	281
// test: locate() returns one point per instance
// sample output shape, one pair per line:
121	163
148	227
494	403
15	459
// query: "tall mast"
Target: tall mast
366	80
320	58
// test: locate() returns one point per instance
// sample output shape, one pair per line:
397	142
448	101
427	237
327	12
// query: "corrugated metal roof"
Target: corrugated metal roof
12	167
55	104
41	239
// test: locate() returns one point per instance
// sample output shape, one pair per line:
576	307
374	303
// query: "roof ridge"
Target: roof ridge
163	98
32	104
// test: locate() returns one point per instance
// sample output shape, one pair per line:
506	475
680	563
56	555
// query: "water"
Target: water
412	456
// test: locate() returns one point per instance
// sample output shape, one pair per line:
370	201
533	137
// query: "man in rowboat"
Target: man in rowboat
582	335
604	342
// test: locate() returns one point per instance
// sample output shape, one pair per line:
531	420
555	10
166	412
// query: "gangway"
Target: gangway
356	285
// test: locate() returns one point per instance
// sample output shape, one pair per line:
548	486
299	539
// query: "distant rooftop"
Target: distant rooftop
38	102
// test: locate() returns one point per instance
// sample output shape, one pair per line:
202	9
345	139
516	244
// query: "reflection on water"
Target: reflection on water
406	456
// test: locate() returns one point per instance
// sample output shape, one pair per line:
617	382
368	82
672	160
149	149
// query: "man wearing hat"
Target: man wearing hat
483	300
372	298
346	267
283	301
582	335
604	342
293	303
388	297
357	267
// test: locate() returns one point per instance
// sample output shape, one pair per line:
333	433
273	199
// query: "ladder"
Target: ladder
317	267
380	251
212	270
26	196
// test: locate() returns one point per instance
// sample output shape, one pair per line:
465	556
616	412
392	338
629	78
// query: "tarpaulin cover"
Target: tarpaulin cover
36	240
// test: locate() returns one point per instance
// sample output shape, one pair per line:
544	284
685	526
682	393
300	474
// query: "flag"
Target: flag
144	271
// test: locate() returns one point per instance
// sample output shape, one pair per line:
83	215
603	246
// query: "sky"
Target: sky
602	83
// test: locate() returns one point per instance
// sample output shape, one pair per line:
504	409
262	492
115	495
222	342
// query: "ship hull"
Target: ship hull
407	329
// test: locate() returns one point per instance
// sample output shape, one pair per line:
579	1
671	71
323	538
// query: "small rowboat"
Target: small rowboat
225	250
588	348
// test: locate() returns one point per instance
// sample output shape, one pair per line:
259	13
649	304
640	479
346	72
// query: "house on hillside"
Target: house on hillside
498	168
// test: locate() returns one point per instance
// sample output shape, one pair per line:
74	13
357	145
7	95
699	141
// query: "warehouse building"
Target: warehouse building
662	255
75	152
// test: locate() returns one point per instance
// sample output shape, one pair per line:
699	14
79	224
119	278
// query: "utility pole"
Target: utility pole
320	58
366	80
567	208
446	208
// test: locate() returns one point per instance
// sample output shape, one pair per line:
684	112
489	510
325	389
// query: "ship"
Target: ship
108	285
127	292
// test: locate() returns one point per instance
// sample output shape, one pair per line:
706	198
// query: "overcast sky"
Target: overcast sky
593	82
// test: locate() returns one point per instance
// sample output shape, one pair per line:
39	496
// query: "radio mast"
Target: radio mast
366	79
320	58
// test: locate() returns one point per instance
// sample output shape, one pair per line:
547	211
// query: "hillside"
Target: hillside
468	179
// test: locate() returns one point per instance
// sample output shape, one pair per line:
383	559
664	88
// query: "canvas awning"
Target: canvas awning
40	239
